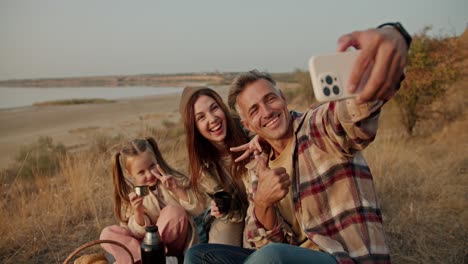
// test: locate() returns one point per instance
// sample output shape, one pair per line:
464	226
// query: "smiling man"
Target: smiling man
311	193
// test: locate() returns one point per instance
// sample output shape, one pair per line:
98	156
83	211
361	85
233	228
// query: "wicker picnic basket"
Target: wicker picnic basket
97	258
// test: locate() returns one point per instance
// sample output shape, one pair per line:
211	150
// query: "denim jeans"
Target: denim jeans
202	225
271	253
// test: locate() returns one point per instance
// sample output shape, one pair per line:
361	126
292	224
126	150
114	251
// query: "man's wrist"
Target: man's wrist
262	205
399	27
261	208
265	217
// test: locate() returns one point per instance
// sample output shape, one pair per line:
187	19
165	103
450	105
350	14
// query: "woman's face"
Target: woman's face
210	119
140	167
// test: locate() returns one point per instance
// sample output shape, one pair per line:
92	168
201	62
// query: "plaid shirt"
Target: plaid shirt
332	188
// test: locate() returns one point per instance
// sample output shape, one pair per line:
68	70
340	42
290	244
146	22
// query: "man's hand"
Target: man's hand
272	186
386	52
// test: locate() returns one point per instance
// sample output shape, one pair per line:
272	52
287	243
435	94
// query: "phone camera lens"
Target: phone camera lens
326	91
329	79
336	89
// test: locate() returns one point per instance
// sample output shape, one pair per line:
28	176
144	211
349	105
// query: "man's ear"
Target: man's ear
282	95
242	119
246	124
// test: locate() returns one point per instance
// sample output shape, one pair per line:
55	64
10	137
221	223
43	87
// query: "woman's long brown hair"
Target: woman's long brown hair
203	153
120	162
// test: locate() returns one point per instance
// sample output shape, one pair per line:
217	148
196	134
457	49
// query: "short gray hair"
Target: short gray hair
242	80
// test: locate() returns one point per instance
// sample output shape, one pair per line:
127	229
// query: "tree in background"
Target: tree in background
434	64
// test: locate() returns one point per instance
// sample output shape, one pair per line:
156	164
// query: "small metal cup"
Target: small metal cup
223	201
142	190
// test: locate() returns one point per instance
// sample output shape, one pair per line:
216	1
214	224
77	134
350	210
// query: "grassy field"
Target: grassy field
54	199
421	181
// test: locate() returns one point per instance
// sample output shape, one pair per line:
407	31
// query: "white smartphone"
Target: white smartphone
330	74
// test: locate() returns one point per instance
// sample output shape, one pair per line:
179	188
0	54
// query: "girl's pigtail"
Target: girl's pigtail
121	189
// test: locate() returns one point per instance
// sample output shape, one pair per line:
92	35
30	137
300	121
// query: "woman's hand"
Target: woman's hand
215	210
253	147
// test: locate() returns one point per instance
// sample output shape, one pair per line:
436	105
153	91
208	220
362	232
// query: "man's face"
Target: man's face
264	111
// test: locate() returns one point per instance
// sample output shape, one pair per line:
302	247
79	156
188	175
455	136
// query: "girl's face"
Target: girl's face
140	168
210	119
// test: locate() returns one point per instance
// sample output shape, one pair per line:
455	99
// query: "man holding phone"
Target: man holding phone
311	193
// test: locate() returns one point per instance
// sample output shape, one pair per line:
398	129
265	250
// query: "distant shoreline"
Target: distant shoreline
13	97
151	80
75	125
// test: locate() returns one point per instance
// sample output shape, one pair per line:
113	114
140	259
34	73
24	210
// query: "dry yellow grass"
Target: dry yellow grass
422	190
46	217
421	184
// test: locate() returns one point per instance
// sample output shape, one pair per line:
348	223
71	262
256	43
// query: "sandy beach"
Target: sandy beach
72	125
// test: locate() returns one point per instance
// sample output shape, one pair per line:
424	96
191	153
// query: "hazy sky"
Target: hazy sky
62	38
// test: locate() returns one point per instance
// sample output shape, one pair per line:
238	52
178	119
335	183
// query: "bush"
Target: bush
432	66
102	143
40	158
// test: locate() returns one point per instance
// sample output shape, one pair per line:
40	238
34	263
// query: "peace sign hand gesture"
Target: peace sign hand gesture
169	183
166	180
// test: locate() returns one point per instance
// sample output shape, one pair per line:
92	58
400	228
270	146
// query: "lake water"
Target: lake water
18	97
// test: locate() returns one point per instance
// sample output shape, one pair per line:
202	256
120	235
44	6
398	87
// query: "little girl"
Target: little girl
140	163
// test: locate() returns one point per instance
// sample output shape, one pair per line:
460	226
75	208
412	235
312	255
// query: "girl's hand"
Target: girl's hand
136	202
170	183
214	210
254	146
166	180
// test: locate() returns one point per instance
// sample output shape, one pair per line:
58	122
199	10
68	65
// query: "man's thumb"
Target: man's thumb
346	41
261	163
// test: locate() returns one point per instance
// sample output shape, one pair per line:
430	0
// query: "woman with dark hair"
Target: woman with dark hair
211	131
